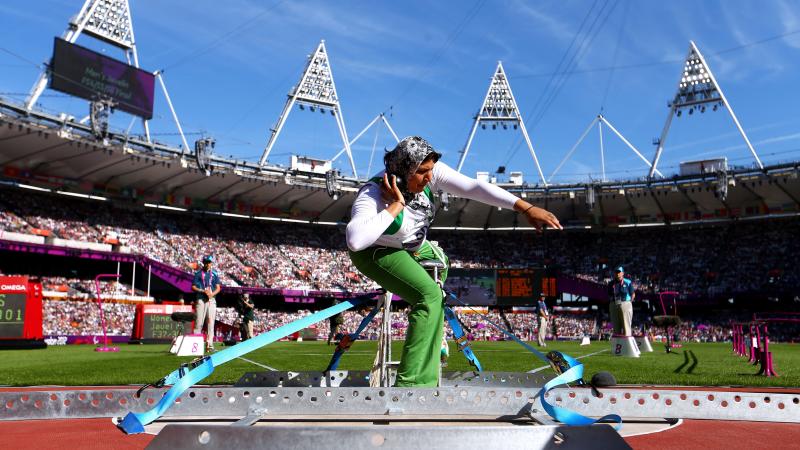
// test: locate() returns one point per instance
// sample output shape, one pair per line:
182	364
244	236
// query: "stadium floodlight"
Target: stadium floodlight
170	208
697	87
33	188
79	195
332	184
238	216
202	154
500	107
316	89
99	112
444	199
590	196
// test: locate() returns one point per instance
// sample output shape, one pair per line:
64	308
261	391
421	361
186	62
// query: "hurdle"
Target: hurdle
758	335
765	356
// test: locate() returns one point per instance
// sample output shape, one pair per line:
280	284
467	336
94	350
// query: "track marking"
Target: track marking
258	364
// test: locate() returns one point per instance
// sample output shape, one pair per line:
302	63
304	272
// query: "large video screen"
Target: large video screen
87	74
471	286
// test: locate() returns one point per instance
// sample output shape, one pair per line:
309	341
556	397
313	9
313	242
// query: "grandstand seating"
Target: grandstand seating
706	260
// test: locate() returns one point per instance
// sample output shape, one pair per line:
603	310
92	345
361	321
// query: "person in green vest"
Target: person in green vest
387	239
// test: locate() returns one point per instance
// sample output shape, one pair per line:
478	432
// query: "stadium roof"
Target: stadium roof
55	153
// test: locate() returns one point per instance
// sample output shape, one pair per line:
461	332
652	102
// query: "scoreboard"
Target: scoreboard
514	287
518	286
154	324
20	309
12	315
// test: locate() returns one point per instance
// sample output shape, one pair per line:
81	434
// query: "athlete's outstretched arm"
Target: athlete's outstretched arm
449	180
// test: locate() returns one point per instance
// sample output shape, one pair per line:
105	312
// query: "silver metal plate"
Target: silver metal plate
360	378
395	437
489	402
681	404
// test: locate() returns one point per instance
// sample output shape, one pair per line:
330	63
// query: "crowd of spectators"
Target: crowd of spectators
524	325
699	260
82	318
246	253
705	260
70	317
85	288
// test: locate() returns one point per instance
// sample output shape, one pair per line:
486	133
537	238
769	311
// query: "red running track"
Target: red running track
101	434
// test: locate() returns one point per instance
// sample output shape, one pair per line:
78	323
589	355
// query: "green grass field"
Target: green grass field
79	365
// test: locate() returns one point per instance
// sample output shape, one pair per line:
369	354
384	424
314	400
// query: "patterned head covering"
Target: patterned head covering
407	156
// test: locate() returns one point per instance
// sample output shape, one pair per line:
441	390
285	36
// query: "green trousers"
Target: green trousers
398	271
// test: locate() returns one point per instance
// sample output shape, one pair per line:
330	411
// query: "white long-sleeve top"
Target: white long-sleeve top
369	218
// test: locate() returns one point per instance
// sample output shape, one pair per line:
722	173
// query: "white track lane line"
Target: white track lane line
258	364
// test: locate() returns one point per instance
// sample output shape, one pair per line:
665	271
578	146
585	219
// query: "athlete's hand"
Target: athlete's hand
541	218
391	191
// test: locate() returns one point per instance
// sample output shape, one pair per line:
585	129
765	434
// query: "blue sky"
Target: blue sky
229	65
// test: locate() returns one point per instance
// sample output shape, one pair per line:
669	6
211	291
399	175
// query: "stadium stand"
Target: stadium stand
706	260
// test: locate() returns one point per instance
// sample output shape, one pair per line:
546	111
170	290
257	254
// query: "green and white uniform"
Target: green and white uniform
388	250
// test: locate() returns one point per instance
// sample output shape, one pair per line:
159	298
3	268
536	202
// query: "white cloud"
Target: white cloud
552	26
790	19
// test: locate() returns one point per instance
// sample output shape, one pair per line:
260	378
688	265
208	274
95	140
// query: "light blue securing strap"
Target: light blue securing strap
574	373
190	374
458	333
343	345
564	415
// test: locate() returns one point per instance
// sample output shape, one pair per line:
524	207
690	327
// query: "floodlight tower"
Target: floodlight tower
697	88
108	21
316	89
500	108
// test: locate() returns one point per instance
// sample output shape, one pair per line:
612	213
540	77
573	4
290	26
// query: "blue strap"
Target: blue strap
346	342
458	333
190	374
573	374
564	415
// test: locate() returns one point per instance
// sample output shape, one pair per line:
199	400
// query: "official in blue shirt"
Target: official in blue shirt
206	284
621	307
543	316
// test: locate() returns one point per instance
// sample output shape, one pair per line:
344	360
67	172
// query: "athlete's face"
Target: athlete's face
620	275
419	179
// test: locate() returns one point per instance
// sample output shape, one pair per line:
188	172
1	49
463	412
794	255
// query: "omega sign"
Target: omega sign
13	288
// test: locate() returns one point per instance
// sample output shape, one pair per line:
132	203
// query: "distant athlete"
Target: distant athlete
621	308
206	284
387	238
